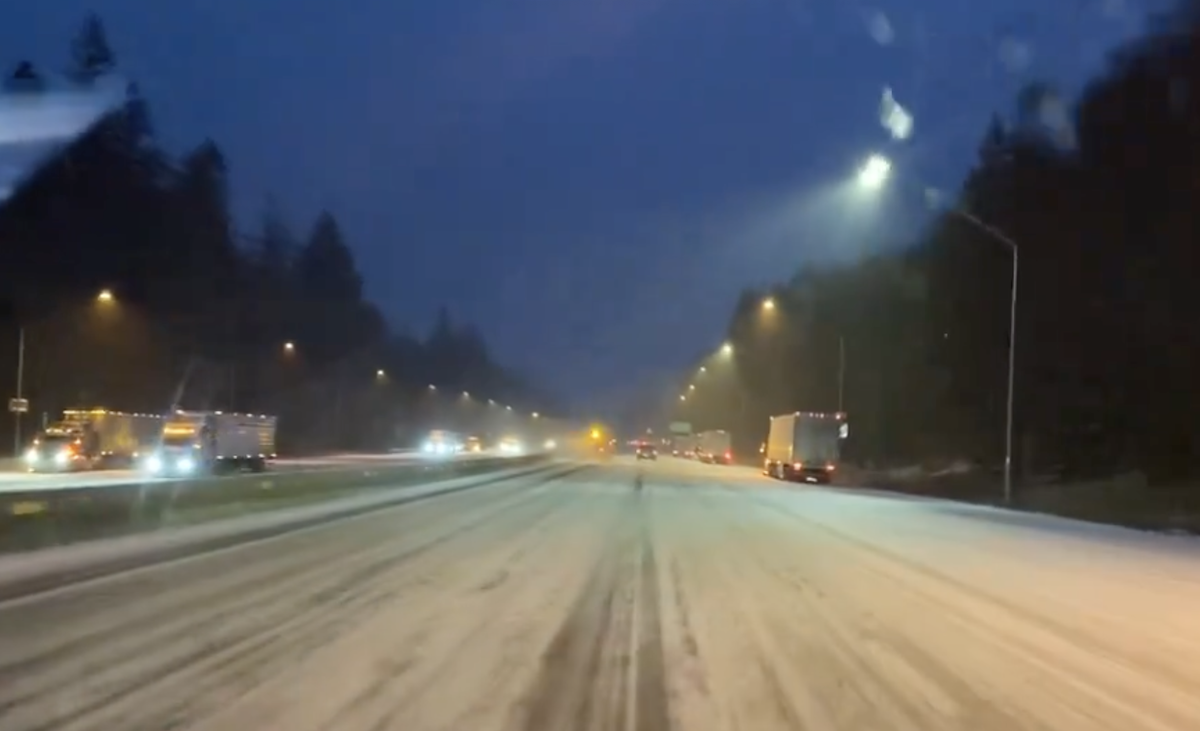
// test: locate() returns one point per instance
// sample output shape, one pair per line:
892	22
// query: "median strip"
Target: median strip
22	575
37	519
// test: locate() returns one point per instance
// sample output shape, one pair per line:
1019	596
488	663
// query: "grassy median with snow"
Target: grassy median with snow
33	520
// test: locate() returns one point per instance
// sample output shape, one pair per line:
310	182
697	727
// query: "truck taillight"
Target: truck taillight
829	468
797	465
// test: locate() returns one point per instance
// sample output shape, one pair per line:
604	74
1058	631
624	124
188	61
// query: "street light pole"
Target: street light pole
871	177
841	370
20	389
1012	342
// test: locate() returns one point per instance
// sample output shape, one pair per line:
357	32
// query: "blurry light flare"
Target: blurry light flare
105	295
289	346
827	215
58	113
768	304
874	172
727	349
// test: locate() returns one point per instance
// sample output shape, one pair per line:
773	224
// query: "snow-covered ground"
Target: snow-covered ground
710	599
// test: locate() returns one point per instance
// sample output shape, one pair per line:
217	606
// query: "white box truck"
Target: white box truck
197	442
804	446
714	447
684	445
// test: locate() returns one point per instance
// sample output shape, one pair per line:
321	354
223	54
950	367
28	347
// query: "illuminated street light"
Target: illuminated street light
536	414
683	397
768	304
874	172
691	387
432	387
380	374
289	347
727	349
105	295
703	369
508	408
466	394
491	402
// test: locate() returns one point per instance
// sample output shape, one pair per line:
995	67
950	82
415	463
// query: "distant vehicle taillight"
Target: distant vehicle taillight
728	456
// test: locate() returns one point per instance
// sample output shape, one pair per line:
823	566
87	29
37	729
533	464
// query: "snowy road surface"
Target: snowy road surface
709	599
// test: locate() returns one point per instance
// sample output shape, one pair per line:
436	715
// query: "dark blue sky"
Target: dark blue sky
592	182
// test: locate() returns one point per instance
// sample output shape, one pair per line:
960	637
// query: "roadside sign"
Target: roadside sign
681	427
18	405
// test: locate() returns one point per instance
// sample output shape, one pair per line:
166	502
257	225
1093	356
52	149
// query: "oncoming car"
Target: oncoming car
474	444
647	451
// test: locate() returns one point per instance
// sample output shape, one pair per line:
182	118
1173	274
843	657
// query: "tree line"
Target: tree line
1105	216
198	313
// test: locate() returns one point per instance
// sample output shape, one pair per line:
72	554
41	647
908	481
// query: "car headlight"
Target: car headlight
185	464
31	456
62	457
550	444
154	463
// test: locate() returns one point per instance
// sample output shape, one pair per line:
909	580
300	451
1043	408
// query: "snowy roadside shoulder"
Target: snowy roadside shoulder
1124	500
29	573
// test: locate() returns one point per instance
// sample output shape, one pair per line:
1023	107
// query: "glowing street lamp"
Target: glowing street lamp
768	304
289	347
105	296
727	349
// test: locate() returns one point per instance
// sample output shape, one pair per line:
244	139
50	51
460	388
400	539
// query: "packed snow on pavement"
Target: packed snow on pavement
708	599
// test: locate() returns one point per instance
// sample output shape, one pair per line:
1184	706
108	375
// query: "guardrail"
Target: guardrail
35	519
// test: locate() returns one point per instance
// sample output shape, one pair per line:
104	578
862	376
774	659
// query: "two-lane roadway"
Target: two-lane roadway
708	598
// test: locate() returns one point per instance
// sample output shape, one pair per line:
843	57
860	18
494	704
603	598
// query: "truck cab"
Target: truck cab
58	449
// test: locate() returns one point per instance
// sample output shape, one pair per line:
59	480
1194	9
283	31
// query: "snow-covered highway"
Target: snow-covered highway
711	598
